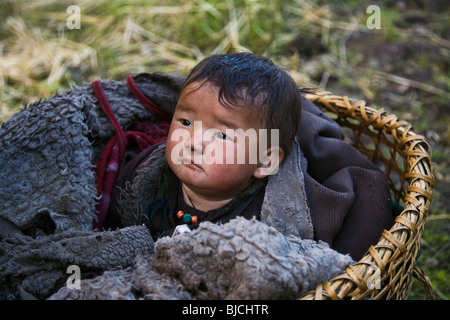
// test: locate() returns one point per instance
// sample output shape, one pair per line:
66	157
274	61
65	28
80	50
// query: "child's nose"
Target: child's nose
197	143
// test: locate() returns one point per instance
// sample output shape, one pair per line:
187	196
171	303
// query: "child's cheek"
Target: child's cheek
218	152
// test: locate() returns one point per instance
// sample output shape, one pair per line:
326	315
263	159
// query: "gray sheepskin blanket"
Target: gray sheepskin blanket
242	259
37	267
47	209
48	149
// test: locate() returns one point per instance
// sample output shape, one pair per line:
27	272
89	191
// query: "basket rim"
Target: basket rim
392	259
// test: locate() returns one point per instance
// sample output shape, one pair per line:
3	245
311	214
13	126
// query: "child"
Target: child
198	174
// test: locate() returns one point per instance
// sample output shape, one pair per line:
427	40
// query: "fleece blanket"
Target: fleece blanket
242	259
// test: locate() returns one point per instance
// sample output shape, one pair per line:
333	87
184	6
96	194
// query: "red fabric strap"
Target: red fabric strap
98	90
145	101
112	156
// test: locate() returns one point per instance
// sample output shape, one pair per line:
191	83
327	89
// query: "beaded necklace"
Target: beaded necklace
187	217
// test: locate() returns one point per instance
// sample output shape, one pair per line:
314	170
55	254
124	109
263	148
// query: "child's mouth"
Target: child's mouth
191	164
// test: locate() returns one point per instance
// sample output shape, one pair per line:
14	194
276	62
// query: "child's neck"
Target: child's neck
200	202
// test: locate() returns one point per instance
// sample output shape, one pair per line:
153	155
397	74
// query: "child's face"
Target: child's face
204	148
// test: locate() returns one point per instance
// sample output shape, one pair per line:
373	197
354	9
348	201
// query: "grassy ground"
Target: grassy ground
403	66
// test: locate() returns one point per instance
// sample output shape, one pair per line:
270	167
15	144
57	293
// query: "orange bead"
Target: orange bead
194	219
180	214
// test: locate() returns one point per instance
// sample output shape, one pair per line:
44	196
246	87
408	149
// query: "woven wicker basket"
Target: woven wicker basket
387	268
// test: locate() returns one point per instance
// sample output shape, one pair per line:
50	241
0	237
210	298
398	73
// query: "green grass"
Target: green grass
402	67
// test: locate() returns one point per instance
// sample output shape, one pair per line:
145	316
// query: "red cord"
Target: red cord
150	105
98	90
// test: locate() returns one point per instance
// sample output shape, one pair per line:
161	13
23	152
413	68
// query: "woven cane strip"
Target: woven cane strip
397	244
333	295
381	265
318	293
408	224
409	157
421	191
356	277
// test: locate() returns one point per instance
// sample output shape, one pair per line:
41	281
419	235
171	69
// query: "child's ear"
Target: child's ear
269	163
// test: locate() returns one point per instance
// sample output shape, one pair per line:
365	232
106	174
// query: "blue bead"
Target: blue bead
187	218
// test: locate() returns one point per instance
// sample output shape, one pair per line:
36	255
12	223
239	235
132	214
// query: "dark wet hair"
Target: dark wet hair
249	80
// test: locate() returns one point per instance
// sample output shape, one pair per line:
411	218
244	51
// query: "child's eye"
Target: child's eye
185	122
222	136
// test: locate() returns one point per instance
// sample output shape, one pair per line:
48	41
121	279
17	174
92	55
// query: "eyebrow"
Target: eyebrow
182	107
231	125
226	123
